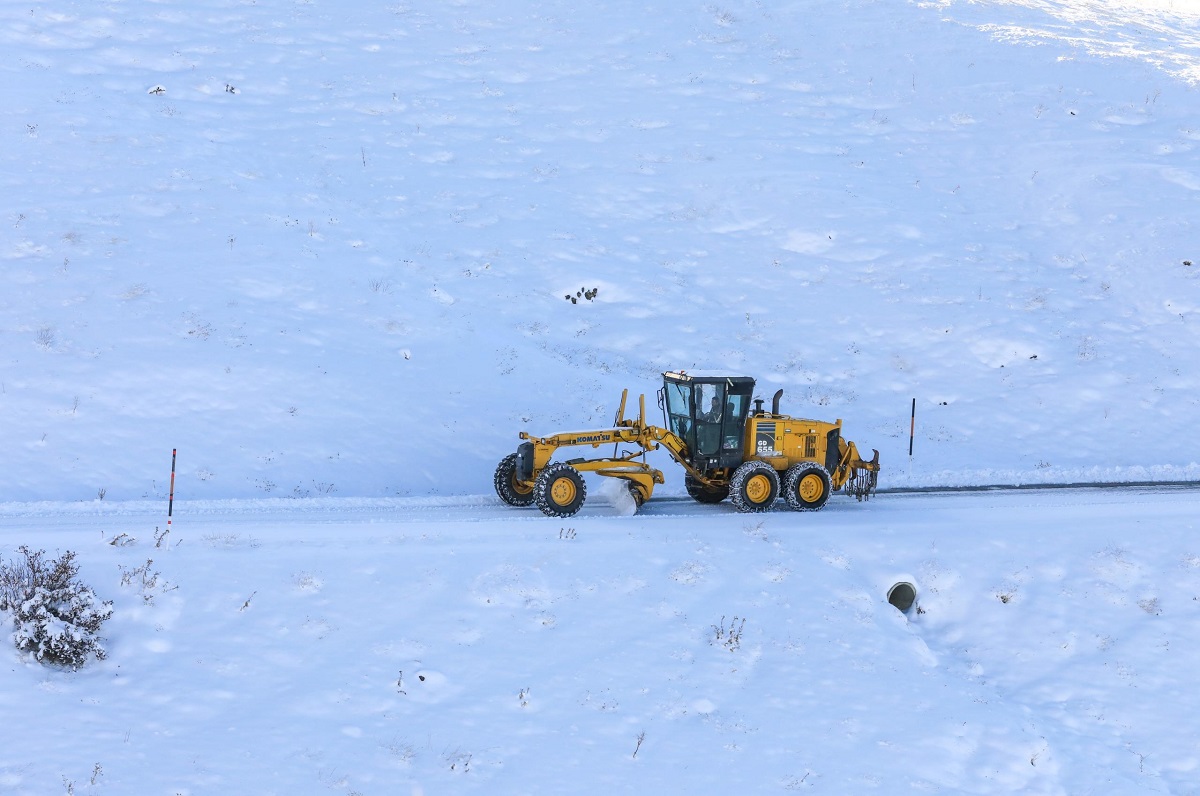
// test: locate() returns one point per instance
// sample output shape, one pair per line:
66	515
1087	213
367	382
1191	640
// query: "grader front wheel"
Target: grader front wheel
559	491
510	490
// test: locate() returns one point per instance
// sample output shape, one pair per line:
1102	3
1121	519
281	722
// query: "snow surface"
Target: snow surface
445	646
325	252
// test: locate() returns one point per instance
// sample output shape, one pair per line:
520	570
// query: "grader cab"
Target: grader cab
728	445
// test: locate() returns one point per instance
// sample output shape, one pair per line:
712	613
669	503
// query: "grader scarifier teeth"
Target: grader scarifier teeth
864	479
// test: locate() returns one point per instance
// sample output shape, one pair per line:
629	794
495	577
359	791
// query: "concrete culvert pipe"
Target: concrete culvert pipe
902	595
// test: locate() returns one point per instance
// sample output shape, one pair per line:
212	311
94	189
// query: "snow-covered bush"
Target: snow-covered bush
55	617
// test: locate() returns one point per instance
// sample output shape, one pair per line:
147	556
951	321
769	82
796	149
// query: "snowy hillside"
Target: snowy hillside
325	250
328	252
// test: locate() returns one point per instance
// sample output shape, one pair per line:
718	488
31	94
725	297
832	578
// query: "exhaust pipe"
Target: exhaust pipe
775	401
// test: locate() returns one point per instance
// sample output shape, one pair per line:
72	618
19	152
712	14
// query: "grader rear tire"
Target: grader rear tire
754	486
508	488
807	486
559	491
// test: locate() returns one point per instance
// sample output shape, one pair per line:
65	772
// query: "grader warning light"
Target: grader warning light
728	445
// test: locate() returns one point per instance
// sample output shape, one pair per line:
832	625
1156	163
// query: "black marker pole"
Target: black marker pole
912	427
171	499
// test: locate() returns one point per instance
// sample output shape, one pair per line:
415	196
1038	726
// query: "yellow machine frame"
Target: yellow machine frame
780	441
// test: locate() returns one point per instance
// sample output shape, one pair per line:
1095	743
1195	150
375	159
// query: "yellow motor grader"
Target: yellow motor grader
728	449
